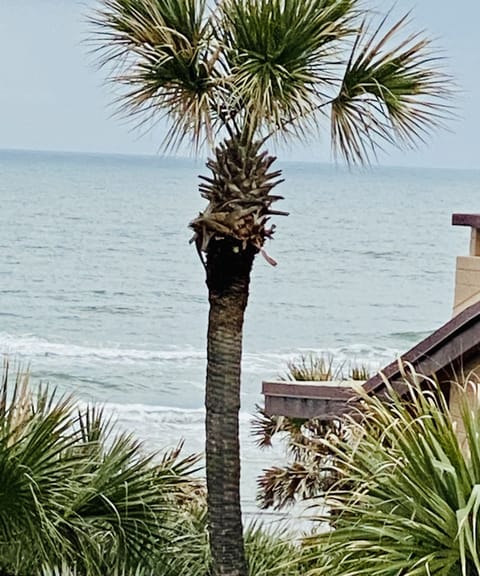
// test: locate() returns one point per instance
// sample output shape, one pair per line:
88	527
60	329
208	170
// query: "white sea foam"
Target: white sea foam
162	415
32	346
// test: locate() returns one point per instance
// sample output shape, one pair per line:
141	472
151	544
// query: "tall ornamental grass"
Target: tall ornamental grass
408	499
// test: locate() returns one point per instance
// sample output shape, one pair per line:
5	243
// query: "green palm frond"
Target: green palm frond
271	553
76	497
393	91
252	69
281	55
125	500
164	55
35	431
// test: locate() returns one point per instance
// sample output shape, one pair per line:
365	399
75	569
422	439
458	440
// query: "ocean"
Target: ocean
102	295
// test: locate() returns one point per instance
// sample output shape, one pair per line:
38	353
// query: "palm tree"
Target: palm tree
230	75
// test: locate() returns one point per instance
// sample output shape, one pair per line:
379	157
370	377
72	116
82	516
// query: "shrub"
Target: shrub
321	368
74	497
269	552
408	498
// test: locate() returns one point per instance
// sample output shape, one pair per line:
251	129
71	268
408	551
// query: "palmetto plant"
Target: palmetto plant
231	74
408	497
322	368
269	551
75	499
312	367
309	470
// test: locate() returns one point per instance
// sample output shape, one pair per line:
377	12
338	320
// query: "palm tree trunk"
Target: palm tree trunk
228	278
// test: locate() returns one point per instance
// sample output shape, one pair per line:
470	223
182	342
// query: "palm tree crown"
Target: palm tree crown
263	67
248	70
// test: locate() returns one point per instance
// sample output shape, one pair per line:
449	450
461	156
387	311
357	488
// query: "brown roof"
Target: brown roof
443	354
472	220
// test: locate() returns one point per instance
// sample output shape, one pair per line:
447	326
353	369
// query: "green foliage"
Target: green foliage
272	553
78	500
280	54
269	552
163	53
407	500
359	372
259	68
74	498
321	368
388	93
311	367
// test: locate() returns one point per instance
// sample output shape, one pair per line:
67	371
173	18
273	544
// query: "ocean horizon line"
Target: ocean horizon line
201	160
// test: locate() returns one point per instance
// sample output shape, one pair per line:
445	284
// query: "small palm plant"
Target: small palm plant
234	74
270	551
323	368
309	470
74	498
312	367
407	500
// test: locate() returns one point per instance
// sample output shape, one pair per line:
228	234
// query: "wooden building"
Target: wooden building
449	353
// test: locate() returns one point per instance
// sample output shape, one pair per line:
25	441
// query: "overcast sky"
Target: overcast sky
53	98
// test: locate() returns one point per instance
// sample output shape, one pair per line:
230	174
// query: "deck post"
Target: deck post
467	276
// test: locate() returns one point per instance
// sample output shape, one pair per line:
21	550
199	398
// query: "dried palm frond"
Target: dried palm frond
310	466
239	196
301	480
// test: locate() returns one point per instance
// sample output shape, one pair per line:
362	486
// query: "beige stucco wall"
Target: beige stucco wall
467	283
467	292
